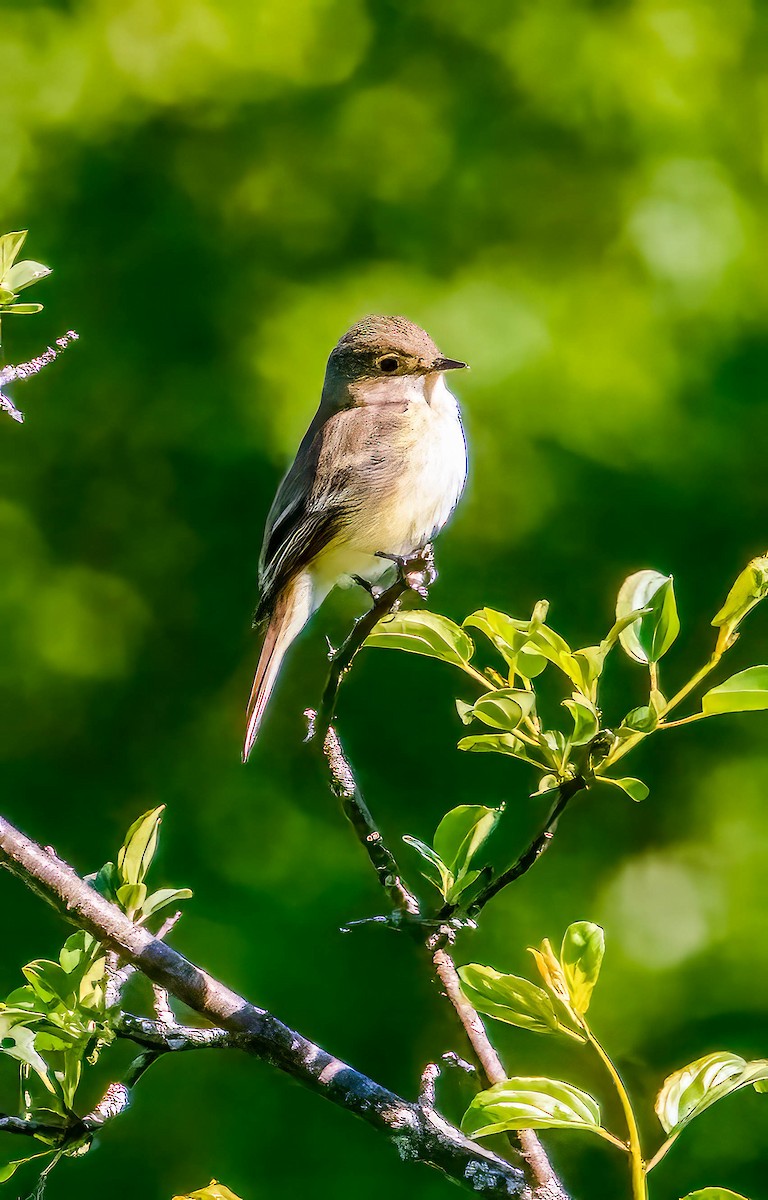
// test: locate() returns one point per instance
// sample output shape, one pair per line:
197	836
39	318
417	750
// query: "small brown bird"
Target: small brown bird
380	470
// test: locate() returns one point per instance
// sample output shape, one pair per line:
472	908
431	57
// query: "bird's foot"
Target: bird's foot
417	570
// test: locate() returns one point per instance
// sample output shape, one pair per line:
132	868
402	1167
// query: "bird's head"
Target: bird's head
381	348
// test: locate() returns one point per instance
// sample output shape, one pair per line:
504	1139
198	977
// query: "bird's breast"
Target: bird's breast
418	478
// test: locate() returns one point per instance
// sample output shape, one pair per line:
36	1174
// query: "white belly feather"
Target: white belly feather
420	497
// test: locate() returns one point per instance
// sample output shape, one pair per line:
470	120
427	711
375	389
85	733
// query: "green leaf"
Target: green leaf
10	1168
424	633
10	245
162	898
443	880
139	847
581	955
585	721
462	832
552	646
19	310
106	881
510	638
530	1103
643	719
750	588
49	981
503	709
693	1089
131	897
714	1193
214	1191
745	692
18	1041
634	788
508	998
23	274
649	638
495	743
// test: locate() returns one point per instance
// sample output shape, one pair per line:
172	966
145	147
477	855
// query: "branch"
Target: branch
33	367
384	604
548	1186
532	853
417	1132
415	573
357	812
546	1183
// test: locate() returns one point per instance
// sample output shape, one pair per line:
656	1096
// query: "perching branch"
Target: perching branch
418	1133
415	573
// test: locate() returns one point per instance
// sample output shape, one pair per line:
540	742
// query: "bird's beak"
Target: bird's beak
448	364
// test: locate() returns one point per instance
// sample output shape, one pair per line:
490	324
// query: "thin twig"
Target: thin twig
25	370
533	851
383	606
383	861
415	574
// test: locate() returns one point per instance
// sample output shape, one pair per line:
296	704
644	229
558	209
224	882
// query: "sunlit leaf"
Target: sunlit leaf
643	719
18	1041
495	743
442	878
139	847
162	899
462	832
745	692
504	708
648	639
530	1103
10	245
25	273
510	638
585	721
21	309
424	633
693	1089
581	955
750	588
551	971
508	998
714	1193
214	1191
634	788
131	897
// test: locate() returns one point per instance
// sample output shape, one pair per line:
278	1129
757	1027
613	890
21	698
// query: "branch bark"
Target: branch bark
417	1132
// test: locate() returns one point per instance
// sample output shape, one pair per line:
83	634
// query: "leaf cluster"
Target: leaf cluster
560	1007
16	276
58	1022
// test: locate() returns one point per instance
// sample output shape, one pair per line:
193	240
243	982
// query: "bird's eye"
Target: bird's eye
389	364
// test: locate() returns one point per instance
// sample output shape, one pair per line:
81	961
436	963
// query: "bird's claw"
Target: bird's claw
417	570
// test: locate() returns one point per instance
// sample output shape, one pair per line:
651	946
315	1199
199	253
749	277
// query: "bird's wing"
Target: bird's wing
304	517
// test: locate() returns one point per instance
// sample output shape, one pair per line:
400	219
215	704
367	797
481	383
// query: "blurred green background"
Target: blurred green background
572	196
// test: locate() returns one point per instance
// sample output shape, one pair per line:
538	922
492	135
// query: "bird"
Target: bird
376	477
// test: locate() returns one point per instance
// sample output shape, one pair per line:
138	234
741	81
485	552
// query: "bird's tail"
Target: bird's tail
289	616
